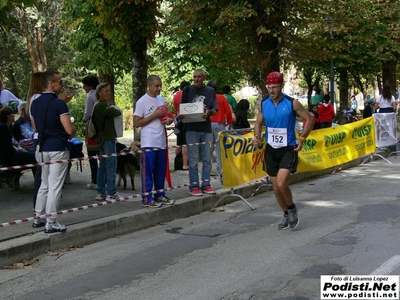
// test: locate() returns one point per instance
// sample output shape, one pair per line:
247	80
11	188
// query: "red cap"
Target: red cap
274	78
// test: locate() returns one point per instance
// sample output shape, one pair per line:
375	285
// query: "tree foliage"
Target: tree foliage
96	50
234	41
36	42
356	34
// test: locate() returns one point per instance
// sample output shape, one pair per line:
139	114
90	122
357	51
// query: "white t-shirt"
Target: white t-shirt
6	96
383	103
152	134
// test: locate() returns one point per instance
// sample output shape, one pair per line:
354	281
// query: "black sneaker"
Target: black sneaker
293	220
285	222
165	200
54	227
37	223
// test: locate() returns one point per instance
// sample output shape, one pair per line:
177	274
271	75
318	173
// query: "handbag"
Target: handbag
94	143
75	148
119	125
38	152
94	137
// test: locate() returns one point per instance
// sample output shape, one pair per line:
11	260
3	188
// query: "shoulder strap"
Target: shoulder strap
185	94
94	123
92	118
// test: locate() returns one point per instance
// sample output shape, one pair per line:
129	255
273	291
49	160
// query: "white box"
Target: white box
193	112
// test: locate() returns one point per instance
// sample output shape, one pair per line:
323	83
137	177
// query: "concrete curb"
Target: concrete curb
27	247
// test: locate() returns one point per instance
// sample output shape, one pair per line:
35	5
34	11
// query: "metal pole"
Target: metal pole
329	21
332	83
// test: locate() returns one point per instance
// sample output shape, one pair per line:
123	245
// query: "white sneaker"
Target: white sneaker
116	196
54	227
100	197
91	185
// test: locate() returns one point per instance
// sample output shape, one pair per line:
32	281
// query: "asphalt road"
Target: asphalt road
349	225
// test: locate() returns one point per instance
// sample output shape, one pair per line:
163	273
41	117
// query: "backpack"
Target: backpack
94	137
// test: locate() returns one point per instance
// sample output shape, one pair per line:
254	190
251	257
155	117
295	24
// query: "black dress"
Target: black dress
241	120
367	112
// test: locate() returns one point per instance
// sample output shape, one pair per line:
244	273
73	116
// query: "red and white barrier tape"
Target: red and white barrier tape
63	161
121	199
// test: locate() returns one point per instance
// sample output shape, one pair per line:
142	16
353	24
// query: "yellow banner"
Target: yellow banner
241	162
323	148
329	147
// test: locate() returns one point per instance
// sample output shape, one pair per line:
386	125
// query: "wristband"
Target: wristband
302	138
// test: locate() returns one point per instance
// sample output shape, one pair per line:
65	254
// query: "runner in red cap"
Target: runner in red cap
274	78
278	114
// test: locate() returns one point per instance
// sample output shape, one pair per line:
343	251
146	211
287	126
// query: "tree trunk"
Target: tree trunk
42	59
29	43
389	74
139	75
308	79
358	81
379	84
12	82
343	90
35	43
268	44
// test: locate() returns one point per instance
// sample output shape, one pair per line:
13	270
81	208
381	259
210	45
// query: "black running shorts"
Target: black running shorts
281	158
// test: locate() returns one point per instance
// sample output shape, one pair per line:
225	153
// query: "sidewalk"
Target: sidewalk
88	225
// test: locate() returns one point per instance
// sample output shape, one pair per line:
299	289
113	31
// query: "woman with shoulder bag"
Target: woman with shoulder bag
103	117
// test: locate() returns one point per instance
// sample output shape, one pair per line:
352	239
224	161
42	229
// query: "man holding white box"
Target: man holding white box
198	103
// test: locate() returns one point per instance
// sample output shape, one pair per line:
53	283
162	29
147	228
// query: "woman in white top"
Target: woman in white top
7	98
386	102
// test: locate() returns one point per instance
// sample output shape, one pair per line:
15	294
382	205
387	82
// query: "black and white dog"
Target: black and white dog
127	165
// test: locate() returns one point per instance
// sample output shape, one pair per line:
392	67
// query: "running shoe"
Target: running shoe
54	227
293	220
164	200
285	222
195	192
208	190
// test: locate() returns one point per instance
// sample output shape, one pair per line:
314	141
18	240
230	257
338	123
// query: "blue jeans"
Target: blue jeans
107	169
206	138
216	129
